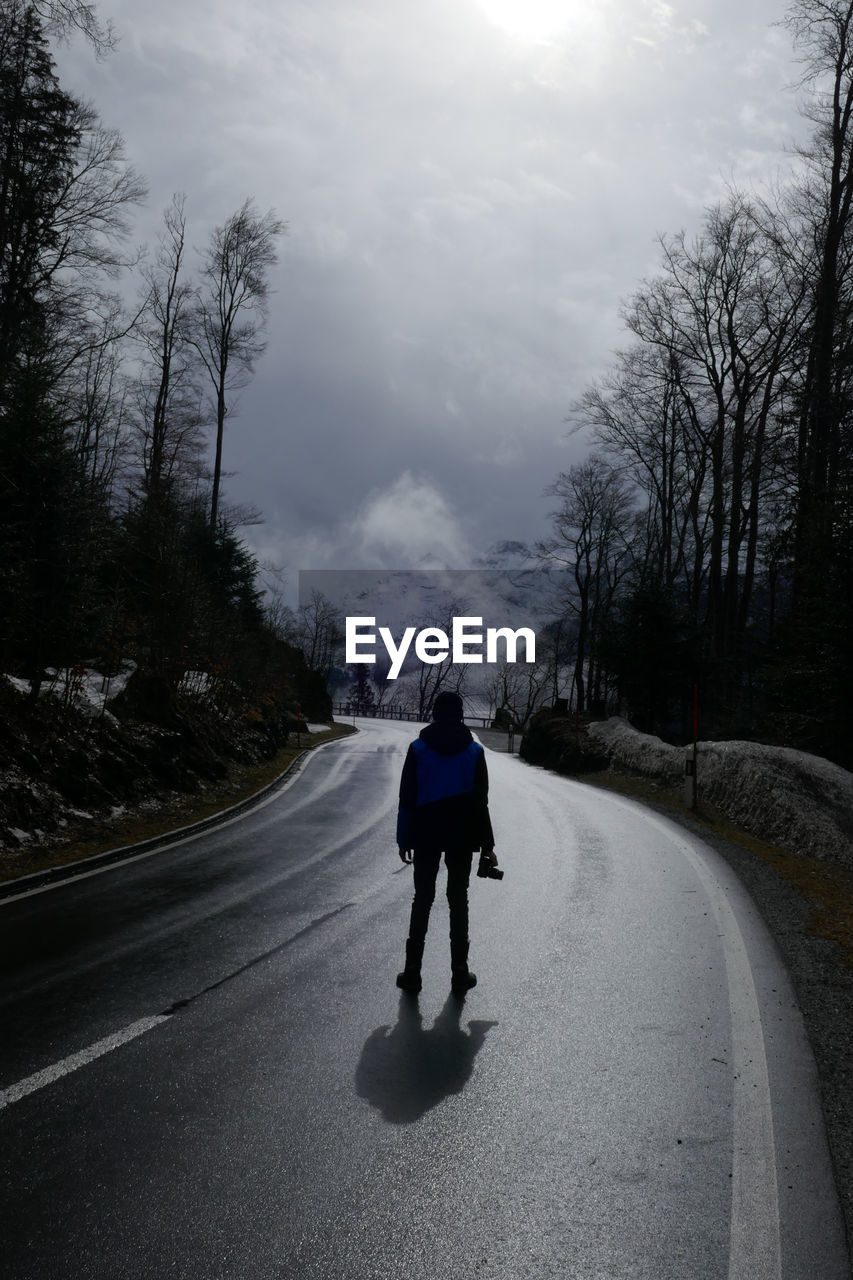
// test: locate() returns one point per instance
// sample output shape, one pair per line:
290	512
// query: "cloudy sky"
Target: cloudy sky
471	187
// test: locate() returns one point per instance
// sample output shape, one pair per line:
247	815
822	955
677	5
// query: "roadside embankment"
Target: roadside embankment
783	796
784	821
76	780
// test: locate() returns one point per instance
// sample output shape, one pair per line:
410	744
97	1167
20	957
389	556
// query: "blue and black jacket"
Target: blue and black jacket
444	791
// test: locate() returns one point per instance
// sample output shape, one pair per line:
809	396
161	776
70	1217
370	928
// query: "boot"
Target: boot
410	978
462	979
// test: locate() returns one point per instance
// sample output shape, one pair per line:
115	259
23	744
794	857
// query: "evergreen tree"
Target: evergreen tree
39	133
63	188
41	512
362	692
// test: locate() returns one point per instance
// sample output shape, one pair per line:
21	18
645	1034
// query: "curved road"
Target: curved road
207	1070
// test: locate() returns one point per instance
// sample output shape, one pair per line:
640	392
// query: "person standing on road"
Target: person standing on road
444	808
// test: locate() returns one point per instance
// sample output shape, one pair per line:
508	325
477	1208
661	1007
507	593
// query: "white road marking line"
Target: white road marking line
59	1069
755	1249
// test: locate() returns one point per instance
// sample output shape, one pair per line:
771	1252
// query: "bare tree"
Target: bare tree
170	416
641	419
421	682
592	537
65	192
725	324
384	688
98	407
63	17
319	633
516	689
233	309
823	35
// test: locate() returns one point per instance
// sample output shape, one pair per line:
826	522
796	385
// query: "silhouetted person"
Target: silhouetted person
444	808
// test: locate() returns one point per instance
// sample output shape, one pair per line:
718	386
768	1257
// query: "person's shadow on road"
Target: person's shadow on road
407	1070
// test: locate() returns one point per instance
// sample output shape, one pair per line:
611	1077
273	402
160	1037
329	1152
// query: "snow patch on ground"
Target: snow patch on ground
787	797
82	687
23	686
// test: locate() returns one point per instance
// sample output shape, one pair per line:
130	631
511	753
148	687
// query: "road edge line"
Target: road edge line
56	877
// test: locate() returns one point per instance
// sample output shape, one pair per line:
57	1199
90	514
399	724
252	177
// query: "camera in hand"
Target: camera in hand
486	869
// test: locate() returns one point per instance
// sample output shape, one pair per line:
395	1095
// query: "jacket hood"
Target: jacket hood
447	737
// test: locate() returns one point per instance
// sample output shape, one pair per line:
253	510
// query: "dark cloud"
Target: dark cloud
465	212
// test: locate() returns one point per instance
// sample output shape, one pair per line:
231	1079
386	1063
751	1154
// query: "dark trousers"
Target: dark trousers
426	864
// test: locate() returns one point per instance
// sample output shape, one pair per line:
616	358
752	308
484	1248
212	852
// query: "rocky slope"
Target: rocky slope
71	764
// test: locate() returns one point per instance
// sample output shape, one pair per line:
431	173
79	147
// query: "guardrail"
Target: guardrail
398	713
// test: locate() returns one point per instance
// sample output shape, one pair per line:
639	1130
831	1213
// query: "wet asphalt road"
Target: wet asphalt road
207	1070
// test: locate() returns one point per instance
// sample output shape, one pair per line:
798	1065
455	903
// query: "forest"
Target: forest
710	529
118	373
709	532
707	535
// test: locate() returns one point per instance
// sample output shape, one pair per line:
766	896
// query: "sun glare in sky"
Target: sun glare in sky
534	20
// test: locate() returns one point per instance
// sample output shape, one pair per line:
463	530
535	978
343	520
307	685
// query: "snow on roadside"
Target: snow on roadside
84	687
787	797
